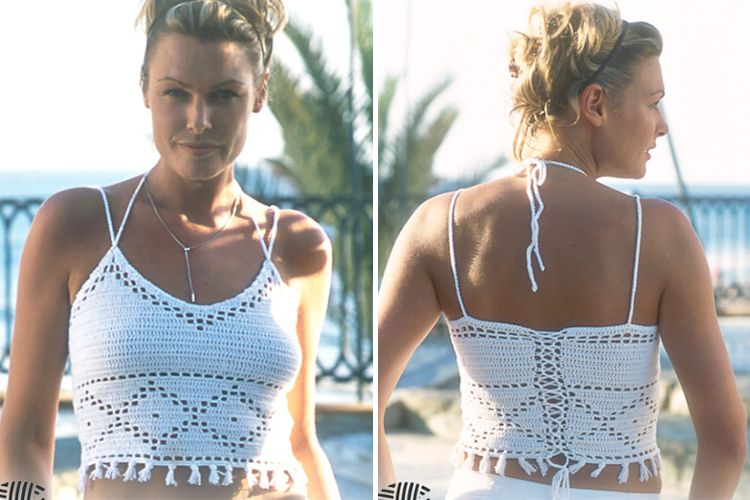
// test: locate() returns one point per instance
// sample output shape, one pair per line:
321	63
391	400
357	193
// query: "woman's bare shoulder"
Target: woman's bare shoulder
665	220
302	245
74	215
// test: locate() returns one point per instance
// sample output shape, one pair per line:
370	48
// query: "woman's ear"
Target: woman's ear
592	101
261	93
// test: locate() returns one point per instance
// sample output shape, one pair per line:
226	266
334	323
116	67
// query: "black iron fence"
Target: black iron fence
346	348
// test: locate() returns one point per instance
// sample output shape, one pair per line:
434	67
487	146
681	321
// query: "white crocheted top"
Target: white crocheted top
159	381
587	394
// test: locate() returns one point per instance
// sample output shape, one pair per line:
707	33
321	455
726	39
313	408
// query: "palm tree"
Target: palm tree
326	121
406	158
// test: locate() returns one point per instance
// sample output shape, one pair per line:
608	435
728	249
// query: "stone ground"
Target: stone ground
346	438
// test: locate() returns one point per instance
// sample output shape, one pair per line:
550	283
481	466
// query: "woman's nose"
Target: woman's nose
198	116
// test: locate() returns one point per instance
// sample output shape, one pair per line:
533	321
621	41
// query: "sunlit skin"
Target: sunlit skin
587	236
201	96
200	121
613	137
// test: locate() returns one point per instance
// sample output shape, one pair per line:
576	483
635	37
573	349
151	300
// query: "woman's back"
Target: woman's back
587	240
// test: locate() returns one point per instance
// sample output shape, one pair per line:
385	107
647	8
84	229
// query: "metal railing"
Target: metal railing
346	350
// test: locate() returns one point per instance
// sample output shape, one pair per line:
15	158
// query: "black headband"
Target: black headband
607	59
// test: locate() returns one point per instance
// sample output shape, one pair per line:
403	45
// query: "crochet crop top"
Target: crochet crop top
159	381
588	394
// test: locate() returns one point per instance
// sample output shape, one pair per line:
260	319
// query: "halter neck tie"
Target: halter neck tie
536	174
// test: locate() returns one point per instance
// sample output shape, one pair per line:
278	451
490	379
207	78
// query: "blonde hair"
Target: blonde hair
565	45
251	24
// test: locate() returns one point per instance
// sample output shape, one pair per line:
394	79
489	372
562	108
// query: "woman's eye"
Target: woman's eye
225	94
175	93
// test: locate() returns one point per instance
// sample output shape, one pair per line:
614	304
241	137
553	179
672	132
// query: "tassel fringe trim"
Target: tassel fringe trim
648	466
263	475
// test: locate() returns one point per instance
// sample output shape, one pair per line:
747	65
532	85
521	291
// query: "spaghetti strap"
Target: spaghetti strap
109	215
451	244
127	210
267	249
634	286
274	230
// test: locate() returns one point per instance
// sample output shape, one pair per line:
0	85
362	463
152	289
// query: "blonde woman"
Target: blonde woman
191	312
558	290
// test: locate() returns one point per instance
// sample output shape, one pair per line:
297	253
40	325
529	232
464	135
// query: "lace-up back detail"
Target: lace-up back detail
588	394
159	381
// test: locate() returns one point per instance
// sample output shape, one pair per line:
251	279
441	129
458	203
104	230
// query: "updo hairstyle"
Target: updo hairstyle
553	62
249	23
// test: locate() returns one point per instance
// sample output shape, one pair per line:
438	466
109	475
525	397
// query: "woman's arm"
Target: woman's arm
306	260
690	331
38	350
407	307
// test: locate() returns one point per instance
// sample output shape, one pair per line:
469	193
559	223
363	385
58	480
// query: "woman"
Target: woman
559	358
191	311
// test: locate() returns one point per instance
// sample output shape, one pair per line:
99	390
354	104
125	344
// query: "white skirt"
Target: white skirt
472	485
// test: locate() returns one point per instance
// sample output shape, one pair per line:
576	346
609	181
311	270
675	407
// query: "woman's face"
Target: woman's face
201	95
634	125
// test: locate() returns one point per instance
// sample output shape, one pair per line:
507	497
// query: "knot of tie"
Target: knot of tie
561	484
536	174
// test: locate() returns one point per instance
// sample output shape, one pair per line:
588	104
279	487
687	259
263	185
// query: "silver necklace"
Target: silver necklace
186	249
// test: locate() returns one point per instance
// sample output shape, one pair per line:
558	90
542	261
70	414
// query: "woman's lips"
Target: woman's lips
198	149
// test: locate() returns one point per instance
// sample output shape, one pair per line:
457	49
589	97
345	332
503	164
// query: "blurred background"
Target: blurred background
443	122
73	115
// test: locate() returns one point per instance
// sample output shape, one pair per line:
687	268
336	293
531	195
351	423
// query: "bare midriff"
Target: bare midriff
607	479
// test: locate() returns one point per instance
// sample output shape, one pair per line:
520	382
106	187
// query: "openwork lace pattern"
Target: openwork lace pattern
163	382
588	394
557	400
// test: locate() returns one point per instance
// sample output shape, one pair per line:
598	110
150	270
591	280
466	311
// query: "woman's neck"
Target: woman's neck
196	201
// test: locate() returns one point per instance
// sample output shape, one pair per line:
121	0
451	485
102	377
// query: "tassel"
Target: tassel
227	476
624	472
145	473
195	475
97	473
277	481
599	469
213	477
645	473
264	482
170	476
82	477
468	463
560	484
654	468
130	472
250	473
578	466
112	471
542	466
484	464
500	465
526	466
